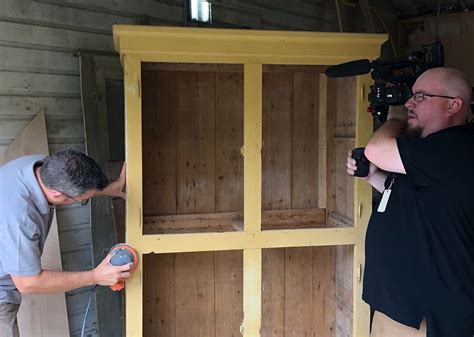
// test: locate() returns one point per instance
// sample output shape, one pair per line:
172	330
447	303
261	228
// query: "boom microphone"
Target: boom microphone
351	68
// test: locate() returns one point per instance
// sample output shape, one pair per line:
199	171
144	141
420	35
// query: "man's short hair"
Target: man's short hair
72	173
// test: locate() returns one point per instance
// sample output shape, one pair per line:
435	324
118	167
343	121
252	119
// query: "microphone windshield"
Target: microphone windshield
351	68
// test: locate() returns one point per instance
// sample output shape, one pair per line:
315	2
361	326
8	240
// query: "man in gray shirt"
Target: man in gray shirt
30	186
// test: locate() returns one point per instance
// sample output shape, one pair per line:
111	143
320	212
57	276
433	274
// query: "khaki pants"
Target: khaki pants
383	326
8	322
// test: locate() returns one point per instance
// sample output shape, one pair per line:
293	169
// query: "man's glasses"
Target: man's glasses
420	96
83	202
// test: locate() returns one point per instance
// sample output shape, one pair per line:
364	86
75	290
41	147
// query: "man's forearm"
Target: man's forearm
54	281
377	180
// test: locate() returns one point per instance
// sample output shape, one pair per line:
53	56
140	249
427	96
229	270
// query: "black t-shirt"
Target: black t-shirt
420	251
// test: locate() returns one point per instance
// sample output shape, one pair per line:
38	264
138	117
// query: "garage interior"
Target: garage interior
62	86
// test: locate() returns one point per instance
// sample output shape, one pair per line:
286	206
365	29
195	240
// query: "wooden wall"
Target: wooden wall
192	166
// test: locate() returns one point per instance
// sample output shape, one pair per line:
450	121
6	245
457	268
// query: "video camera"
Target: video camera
401	74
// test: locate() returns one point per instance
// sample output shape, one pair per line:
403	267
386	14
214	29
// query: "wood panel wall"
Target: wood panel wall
192	135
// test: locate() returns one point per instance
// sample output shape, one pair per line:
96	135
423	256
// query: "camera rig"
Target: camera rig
392	79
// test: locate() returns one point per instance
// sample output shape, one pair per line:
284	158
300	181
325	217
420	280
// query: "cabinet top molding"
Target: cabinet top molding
212	45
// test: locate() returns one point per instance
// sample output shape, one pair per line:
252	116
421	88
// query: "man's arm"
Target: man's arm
48	281
382	149
115	188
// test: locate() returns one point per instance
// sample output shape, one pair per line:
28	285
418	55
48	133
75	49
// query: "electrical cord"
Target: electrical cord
87	309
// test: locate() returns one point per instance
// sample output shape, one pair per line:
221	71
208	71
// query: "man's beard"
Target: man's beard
414	132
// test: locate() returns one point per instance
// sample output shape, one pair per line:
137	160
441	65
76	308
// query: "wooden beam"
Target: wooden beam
133	157
206	242
166	44
252	149
252	293
362	209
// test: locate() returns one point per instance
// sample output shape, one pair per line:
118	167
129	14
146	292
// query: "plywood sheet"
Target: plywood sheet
40	315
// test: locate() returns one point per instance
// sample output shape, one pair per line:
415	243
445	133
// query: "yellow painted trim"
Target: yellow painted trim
203	242
133	157
252	290
252	150
178	44
362	197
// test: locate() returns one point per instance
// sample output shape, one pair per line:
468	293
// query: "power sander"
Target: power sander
122	254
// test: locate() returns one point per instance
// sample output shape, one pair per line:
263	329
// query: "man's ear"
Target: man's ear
455	105
56	194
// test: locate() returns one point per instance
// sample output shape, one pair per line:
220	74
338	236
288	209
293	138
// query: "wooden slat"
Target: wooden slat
196	143
159	292
273	292
195	306
29	84
298	289
277	135
229	140
54	39
305	141
228	293
220	222
324	270
60	16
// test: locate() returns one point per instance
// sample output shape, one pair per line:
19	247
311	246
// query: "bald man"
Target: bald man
419	274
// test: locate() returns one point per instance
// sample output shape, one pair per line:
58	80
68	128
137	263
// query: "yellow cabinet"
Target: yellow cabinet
238	201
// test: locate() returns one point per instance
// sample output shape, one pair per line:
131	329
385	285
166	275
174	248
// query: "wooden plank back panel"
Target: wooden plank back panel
159	141
305	142
193	294
324	264
159	287
196	143
345	111
192	136
229	140
298	292
228	293
344	141
273	293
298	289
277	139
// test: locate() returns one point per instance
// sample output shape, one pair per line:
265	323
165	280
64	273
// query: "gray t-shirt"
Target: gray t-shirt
25	219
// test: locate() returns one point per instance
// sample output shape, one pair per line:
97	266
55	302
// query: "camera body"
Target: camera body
392	79
381	97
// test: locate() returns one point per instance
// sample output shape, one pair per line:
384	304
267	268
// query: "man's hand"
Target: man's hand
107	275
376	176
352	167
399	112
115	189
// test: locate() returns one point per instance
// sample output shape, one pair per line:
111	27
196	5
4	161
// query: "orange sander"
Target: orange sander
123	254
